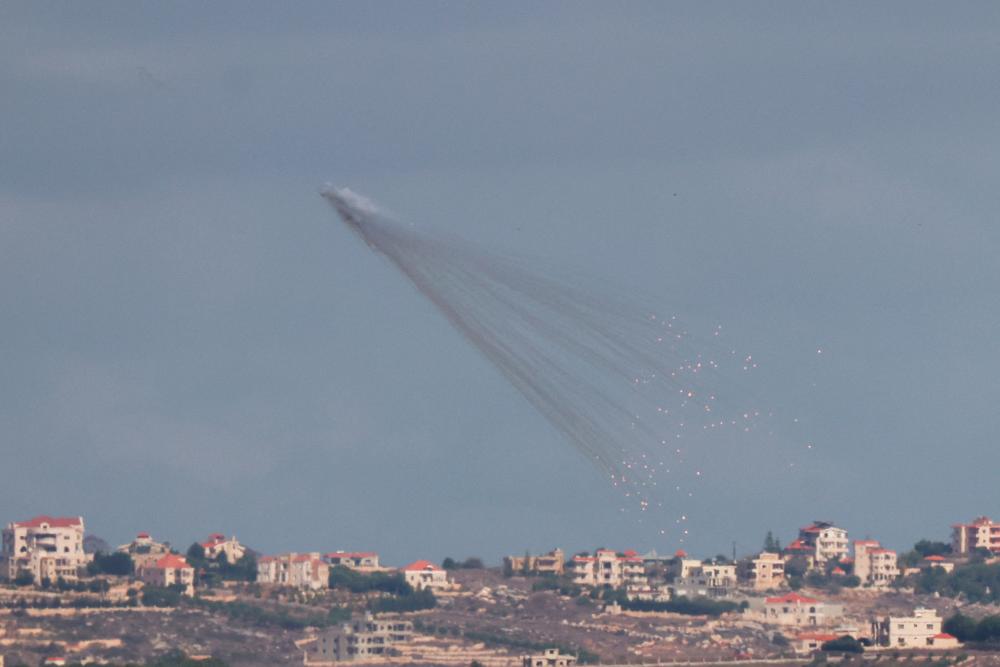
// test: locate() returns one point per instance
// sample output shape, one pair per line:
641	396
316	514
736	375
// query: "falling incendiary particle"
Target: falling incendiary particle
593	364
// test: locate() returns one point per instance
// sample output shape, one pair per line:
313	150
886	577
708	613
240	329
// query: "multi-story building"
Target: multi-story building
708	580
217	544
363	561
550	657
922	630
294	570
874	566
825	541
144	550
982	533
425	574
797	610
46	547
767	572
608	568
169	570
362	639
554	562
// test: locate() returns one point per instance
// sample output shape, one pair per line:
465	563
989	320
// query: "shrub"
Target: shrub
845	644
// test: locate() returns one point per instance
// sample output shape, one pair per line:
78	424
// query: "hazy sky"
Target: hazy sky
191	342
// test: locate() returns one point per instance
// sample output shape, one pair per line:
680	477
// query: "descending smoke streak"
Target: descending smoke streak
621	383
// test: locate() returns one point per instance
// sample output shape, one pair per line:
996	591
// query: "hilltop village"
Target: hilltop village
70	598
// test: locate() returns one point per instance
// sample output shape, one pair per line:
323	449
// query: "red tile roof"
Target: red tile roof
51	521
791	598
420	566
944	635
171	562
143	536
680	553
935	559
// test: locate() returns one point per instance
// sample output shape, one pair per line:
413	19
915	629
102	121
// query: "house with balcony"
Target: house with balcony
45	547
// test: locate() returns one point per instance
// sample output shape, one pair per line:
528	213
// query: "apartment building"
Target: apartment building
425	574
218	544
874	566
169	570
824	541
609	568
922	630
554	562
982	533
767	572
363	639
307	571
708	580
363	561
46	547
144	550
796	610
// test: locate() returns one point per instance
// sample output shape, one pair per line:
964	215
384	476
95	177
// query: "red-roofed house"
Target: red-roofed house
922	630
824	540
217	543
46	547
938	561
795	610
169	570
423	574
874	566
296	570
364	561
982	533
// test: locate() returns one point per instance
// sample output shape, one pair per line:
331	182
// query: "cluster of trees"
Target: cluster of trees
966	628
923	549
211	570
550	582
357	582
402	597
976	582
117	563
414	601
471	563
845	644
157	596
698	606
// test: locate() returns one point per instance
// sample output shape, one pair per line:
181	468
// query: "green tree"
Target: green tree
449	563
117	563
24	578
196	556
845	644
771	543
961	626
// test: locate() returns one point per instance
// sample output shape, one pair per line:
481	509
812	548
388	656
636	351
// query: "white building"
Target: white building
363	561
922	630
608	568
550	657
824	540
365	640
217	544
169	570
768	571
706	580
46	547
874	566
295	570
982	533
796	610
423	574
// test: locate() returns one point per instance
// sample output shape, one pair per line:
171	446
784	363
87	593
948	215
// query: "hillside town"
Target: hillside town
820	592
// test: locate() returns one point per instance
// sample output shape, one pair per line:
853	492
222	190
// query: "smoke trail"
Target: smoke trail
622	383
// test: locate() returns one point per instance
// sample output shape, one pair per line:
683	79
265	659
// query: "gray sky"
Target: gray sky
192	343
